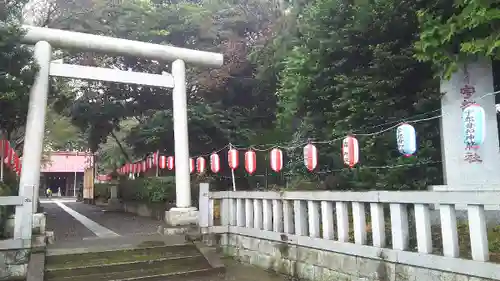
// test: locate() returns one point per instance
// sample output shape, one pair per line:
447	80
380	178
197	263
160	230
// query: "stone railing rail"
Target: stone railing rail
19	241
320	220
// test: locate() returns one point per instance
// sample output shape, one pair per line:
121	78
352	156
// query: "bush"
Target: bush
152	190
102	191
7	188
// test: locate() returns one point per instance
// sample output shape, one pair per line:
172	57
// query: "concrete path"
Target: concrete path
65	227
119	222
73	221
77	225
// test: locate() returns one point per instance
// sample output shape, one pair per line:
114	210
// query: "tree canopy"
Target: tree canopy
302	71
450	31
16	71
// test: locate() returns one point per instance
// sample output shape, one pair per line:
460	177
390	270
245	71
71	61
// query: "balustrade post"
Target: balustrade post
449	230
224	212
277	216
378	224
240	212
342	221
359	222
300	210
327	220
257	214
267	213
423	226
249	213
477	230
232	210
288	223
399	226
204	205
313	217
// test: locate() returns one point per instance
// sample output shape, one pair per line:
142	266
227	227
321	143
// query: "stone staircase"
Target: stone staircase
140	257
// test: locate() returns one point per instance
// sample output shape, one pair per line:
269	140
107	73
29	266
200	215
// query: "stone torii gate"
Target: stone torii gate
46	38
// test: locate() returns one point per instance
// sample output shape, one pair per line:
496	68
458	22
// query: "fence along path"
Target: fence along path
393	226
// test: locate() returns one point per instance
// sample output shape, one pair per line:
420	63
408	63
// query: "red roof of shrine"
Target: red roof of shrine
67	162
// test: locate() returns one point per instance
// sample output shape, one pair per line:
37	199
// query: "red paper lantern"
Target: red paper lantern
310	157
350	151
191	165
7	152
233	158
250	161
276	159
170	162
144	166
8	157
16	162
149	162
215	162
201	165
155	159
163	162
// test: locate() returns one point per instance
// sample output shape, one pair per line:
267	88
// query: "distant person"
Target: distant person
48	192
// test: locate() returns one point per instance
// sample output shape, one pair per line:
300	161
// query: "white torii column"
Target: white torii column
44	38
183	213
33	143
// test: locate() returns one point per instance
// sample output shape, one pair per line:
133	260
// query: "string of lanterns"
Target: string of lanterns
10	158
473	119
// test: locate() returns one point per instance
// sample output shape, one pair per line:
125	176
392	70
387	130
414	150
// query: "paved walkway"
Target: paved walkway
73	221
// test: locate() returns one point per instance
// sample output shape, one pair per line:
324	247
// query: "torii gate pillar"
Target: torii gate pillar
44	39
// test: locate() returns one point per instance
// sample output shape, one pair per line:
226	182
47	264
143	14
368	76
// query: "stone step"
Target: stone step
212	274
150	270
62	261
96	244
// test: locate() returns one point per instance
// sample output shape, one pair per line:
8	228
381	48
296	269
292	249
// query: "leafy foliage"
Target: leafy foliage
224	103
148	189
102	191
352	70
318	70
7	188
454	30
61	134
16	70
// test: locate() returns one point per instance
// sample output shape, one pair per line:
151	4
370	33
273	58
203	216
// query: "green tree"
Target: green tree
450	31
352	70
16	71
223	103
115	151
61	134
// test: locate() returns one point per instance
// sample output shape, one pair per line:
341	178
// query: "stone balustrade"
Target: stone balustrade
358	233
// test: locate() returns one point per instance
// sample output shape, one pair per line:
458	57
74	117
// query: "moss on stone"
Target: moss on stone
111	257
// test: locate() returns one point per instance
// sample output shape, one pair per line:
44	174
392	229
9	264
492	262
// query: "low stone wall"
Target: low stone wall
320	265
152	210
14	264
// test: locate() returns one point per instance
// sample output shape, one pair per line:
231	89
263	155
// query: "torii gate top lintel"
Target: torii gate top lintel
103	44
44	38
